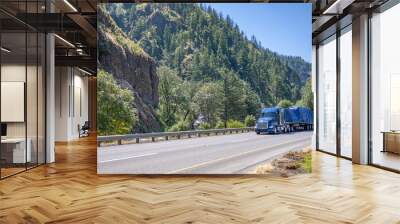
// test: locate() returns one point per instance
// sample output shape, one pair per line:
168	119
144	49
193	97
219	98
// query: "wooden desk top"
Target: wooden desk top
13	140
391	132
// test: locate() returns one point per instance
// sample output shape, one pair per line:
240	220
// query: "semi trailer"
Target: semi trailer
276	120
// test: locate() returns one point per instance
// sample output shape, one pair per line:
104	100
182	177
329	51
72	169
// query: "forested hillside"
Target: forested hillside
205	65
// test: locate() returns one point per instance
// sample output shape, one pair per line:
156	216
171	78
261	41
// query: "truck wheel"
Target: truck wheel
257	132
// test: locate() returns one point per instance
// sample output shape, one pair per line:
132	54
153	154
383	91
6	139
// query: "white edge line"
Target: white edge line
125	158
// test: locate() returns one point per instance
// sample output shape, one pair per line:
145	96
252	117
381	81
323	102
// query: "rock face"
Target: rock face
132	68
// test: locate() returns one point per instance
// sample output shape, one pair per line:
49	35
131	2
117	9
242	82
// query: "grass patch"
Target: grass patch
291	163
307	162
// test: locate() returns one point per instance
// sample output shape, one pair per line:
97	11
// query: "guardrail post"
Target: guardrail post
189	136
179	136
223	132
119	141
137	140
166	138
152	139
98	144
208	134
198	135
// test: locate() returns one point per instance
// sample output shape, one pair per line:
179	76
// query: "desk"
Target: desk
13	150
391	141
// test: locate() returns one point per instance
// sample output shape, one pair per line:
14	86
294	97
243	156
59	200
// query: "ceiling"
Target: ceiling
73	22
331	15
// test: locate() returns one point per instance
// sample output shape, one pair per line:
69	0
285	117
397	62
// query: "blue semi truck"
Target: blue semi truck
276	120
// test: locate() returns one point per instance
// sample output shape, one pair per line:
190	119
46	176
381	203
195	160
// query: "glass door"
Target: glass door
385	89
327	95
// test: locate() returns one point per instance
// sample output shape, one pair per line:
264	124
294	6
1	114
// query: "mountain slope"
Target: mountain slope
132	68
197	42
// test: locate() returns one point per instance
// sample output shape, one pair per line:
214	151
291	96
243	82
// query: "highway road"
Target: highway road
222	154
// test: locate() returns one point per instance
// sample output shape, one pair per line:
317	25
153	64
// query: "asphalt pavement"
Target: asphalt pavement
221	154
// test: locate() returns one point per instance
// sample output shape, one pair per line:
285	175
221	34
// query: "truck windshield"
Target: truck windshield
268	114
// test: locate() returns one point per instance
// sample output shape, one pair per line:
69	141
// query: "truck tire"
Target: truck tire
257	132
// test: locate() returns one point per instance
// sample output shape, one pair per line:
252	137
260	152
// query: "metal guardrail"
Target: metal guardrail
119	138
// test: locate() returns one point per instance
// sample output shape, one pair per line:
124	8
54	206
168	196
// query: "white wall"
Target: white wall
62	81
33	126
12	73
71	102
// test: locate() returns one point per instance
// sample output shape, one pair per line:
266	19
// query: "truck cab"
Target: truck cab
270	121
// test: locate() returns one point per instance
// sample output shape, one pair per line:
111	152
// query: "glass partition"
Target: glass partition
346	92
22	88
327	95
385	89
13	114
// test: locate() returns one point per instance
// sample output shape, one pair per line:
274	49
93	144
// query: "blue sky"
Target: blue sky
283	28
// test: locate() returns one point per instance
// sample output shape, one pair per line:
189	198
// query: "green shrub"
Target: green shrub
180	126
250	121
234	124
285	104
307	163
205	126
116	113
220	124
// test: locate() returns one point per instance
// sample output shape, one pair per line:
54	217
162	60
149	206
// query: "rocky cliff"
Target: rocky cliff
131	67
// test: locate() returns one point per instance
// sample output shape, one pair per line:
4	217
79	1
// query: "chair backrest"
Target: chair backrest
86	125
